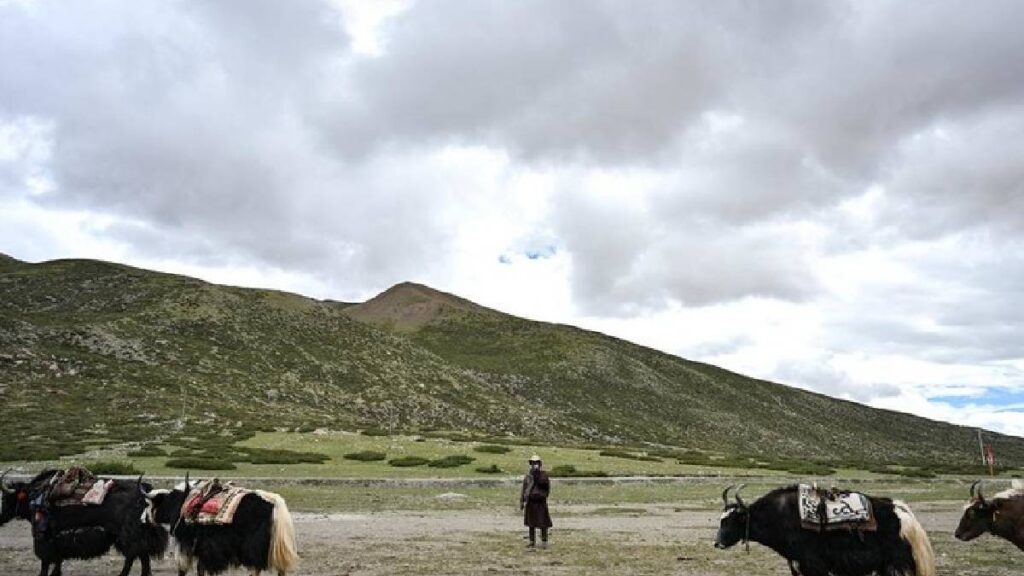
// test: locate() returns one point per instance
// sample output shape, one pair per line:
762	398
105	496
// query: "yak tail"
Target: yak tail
914	534
283	555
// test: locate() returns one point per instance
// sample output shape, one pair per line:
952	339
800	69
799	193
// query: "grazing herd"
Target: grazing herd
216	527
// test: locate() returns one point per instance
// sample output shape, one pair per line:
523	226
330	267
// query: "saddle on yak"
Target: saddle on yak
77	486
823	510
211	502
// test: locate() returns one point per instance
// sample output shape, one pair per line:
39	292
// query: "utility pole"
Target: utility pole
981	446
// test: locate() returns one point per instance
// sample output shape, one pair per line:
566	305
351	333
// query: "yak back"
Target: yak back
244	542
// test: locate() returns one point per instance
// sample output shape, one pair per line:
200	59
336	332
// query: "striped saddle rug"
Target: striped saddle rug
211	502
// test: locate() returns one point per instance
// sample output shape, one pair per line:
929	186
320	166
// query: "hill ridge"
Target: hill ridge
116	352
407	306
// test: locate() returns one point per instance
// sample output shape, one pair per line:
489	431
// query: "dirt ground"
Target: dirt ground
639	540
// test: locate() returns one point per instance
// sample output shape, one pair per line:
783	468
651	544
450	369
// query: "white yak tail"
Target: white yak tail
282	556
914	534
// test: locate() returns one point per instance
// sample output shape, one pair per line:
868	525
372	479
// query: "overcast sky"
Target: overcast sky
828	195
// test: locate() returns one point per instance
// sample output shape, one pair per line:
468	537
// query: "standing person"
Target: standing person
533	500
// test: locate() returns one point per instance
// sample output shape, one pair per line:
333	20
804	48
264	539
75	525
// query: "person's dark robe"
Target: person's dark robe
534	498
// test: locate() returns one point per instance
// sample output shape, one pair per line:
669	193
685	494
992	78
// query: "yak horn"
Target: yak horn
737	495
981	496
3	486
974	485
725	494
188	487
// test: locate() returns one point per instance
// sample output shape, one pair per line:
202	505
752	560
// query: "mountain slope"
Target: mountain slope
93	353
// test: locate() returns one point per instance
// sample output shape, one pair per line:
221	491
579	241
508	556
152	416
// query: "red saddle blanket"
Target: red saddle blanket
211	502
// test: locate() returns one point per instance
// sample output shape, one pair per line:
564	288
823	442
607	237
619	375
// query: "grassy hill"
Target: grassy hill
93	353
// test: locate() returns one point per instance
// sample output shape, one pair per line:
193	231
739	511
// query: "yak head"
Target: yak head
733	527
13	500
978	513
167	503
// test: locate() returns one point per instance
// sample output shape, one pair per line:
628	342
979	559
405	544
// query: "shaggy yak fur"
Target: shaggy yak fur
899	547
260	537
87	531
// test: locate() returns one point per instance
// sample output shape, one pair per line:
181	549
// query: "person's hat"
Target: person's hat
534	458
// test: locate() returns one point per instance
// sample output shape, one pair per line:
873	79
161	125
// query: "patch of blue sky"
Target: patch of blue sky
546	251
1003	399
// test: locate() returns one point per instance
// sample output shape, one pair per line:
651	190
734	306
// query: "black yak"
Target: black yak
1001	515
260	536
87	531
899	546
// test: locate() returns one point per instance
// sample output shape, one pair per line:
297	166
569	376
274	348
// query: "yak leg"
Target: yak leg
147	570
44	568
794	567
126	568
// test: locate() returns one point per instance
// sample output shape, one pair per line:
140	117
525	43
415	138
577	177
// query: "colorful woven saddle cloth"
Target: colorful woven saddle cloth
76	486
212	502
835	510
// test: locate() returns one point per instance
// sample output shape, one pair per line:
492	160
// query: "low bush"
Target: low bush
147	451
365	456
374	432
492	469
570	471
492	449
279	456
810	469
408	461
452	461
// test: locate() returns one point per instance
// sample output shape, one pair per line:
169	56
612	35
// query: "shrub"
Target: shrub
452	461
374	432
408	461
492	469
570	471
146	451
195	463
810	469
492	449
113	468
618	454
279	456
365	456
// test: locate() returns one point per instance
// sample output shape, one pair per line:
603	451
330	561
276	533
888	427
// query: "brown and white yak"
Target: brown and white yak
1002	515
899	547
260	536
